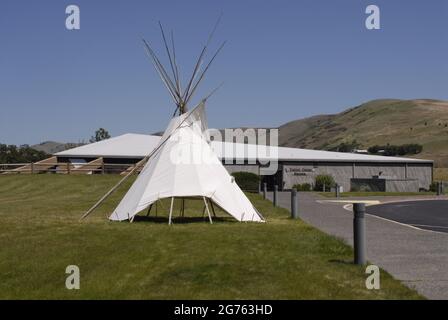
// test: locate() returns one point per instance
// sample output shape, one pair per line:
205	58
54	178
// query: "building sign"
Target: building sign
299	171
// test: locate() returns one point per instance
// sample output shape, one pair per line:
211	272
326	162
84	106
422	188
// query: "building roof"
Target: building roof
132	145
128	145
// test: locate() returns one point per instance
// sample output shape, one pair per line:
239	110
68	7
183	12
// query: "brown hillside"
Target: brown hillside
380	122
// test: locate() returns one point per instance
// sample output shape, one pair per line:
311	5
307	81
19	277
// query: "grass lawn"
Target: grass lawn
40	234
376	194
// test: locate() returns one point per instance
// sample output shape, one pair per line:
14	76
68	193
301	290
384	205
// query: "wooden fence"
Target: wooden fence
93	167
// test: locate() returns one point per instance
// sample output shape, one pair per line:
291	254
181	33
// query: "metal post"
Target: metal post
323	188
68	167
275	195
337	190
442	187
294	211
359	233
265	187
32	168
438	188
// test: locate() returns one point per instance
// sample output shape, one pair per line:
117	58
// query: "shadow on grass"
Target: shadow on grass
339	261
182	220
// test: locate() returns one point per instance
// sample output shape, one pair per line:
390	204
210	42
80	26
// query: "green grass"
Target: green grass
376	194
40	234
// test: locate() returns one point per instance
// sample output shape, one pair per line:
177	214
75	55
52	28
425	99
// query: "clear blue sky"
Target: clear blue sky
284	60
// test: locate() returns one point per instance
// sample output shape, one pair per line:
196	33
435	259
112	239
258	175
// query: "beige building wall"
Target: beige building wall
295	173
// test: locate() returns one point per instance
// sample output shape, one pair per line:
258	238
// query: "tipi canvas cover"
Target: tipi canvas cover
184	165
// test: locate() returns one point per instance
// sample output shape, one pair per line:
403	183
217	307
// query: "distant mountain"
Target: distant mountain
377	122
52	147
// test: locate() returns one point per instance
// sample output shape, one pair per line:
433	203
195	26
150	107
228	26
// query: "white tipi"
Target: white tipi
185	165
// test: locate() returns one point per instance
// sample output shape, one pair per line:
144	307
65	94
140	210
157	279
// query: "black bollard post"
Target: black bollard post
337	190
294	209
359	233
265	187
439	189
275	195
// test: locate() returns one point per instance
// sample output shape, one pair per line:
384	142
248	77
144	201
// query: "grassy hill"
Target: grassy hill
52	147
379	122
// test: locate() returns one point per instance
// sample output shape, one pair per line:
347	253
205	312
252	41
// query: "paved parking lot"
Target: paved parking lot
428	215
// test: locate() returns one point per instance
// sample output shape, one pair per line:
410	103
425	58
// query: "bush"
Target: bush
324	179
247	181
302	187
433	186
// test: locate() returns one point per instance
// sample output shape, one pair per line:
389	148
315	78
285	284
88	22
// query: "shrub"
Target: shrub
324	179
247	181
433	186
302	187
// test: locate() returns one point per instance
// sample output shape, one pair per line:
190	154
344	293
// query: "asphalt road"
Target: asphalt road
428	214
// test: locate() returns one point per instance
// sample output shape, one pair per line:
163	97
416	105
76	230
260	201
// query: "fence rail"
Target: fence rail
66	168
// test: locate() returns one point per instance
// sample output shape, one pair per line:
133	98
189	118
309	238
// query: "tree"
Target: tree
400	150
100	134
324	180
22	154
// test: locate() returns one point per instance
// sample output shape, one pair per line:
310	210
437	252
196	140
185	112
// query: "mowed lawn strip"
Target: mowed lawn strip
40	235
376	194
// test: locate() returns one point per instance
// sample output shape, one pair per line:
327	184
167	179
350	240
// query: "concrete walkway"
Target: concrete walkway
418	258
